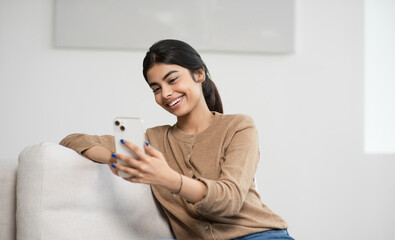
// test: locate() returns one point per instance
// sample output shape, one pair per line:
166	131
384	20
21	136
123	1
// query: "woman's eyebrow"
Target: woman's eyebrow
153	84
168	74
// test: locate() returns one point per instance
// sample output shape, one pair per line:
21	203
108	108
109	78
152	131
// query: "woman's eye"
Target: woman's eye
155	90
173	80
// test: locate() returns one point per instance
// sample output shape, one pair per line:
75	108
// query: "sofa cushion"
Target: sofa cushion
7	198
62	195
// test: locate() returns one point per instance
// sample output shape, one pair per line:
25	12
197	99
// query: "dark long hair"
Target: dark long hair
171	51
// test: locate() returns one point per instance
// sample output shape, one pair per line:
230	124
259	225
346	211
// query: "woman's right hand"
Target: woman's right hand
101	155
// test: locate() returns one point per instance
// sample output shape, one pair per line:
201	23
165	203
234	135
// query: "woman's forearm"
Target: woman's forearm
98	154
86	145
191	190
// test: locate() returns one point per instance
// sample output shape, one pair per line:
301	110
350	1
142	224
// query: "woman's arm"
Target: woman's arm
96	148
98	154
193	190
226	195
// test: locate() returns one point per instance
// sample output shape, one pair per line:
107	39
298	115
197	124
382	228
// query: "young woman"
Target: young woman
201	170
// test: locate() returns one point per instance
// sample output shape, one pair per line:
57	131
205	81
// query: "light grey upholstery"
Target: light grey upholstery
62	195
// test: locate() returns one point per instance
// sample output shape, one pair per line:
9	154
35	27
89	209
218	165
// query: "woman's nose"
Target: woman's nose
166	92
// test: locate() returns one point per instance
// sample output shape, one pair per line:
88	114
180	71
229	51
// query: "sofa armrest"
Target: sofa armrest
62	195
7	198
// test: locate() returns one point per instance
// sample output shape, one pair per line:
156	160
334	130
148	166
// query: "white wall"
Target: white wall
379	76
308	107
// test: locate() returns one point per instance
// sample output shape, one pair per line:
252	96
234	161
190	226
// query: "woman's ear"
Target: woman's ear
200	75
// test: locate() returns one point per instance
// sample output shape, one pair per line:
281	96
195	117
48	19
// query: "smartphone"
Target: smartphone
131	129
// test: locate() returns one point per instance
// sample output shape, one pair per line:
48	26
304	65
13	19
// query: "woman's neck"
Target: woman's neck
195	122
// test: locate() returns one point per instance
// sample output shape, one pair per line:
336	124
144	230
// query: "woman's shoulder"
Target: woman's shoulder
154	134
236	120
158	130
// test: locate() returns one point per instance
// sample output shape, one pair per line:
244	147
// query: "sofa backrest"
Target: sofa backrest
63	195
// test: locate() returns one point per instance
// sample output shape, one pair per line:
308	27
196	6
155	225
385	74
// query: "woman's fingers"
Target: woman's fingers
149	168
128	170
138	151
110	163
136	165
128	160
150	150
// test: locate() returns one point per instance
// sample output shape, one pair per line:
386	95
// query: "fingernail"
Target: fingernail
113	155
146	143
122	141
113	165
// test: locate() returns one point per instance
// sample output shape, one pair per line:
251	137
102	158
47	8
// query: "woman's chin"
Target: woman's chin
177	112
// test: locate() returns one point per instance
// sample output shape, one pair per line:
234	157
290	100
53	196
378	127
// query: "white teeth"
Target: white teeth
174	102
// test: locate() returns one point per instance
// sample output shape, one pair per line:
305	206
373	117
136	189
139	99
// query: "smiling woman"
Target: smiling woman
181	55
176	89
201	170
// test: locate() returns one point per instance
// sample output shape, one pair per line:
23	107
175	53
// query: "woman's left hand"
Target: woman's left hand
150	168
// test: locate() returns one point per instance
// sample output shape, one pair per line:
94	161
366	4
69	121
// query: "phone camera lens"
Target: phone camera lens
117	123
122	128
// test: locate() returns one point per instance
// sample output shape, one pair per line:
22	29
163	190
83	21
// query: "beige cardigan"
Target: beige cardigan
225	158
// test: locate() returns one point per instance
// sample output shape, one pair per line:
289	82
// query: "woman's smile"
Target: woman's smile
174	103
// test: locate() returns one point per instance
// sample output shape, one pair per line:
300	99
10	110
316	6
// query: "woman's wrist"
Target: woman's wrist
174	181
191	190
180	188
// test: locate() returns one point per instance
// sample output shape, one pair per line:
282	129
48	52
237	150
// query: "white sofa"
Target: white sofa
55	193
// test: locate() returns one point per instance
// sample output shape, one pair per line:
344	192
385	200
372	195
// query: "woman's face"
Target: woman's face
174	88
